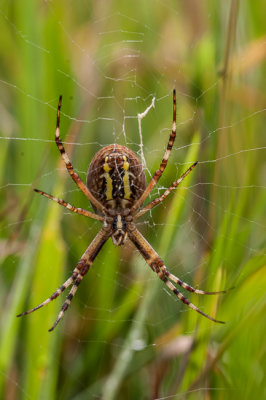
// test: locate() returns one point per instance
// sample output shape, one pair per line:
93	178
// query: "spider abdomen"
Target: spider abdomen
116	177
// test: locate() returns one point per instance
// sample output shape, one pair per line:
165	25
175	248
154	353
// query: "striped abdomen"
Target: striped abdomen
116	177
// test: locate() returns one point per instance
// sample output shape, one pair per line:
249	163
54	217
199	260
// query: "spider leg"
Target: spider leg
71	295
69	166
65	285
157	265
81	269
80	211
186	286
158	200
181	296
159	171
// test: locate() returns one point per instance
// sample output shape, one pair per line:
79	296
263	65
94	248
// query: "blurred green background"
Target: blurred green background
125	336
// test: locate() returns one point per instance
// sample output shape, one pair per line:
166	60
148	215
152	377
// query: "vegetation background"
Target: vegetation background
125	336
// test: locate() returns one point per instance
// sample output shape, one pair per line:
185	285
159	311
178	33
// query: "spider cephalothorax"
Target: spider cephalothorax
119	230
116	188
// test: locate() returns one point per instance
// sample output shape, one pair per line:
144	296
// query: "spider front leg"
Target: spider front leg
163	164
69	166
78	274
157	265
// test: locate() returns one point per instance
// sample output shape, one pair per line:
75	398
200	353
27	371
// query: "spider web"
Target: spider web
116	72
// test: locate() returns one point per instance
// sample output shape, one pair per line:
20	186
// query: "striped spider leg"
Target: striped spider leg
74	176
157	265
160	170
76	210
78	274
68	164
158	200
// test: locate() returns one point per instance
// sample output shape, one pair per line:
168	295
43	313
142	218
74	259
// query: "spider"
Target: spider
116	188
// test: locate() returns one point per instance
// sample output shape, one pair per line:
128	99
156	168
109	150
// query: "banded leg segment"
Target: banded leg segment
81	269
65	285
158	200
69	167
69	298
186	286
83	266
182	297
163	165
63	203
157	265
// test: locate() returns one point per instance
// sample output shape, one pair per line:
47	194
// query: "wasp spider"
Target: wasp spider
117	189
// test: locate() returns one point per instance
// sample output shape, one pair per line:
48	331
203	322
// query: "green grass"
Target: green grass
124	335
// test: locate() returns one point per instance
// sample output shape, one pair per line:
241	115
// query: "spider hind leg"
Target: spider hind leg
185	285
68	300
79	272
181	297
65	285
157	265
